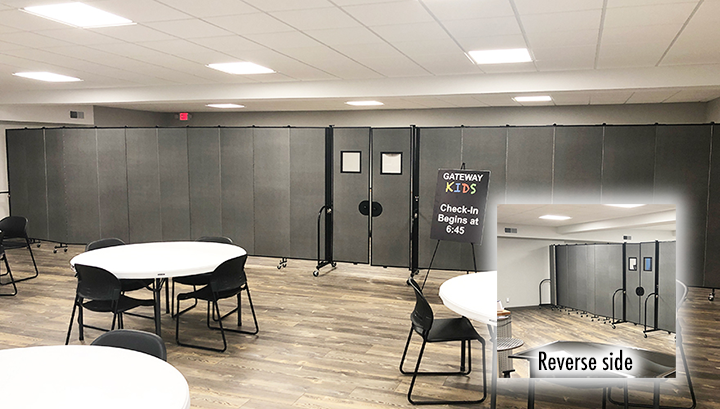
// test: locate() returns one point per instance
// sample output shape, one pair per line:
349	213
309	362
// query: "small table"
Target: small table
89	377
645	364
475	296
159	261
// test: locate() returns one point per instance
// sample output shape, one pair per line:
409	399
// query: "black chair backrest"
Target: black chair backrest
216	239
135	340
95	283
229	276
14	227
2	247
422	316
102	243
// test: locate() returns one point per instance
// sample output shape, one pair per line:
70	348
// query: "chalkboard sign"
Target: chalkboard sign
460	201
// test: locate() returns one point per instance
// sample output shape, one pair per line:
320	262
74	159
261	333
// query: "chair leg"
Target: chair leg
12	280
402	360
81	324
178	316
238	309
72	316
32	256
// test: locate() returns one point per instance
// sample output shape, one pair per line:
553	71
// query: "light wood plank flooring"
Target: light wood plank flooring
335	341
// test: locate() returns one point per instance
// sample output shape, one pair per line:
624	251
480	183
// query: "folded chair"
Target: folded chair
440	330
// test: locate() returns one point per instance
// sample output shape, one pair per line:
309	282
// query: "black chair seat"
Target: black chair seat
125	303
451	329
198	279
206	294
132	284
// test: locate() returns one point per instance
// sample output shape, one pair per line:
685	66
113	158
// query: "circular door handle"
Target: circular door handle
364	207
377	209
640	291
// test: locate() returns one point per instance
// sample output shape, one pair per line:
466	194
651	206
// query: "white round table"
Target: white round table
159	260
89	377
475	296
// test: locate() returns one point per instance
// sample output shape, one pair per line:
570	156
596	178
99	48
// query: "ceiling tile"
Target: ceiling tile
139	11
210	8
570	98
556	6
633	3
79	37
192	28
609	97
640	34
25	21
492	42
411	32
174	46
486	27
229	43
563	38
497	100
676	13
382	14
277	5
324	18
630	55
257	23
9	46
288	39
446	64
565	21
31	40
508	68
695	95
651	96
7	29
441	48
134	33
398	66
572	64
469	9
582	53
344	36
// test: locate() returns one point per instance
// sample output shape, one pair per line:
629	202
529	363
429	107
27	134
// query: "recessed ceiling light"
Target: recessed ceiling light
364	103
627	206
78	15
533	98
555	217
512	55
241	68
47	76
225	106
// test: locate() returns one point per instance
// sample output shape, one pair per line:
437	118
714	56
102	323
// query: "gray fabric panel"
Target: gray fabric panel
236	147
350	228
682	160
272	191
711	277
578	164
144	206
440	148
57	217
307	189
205	189
632	281
574	281
26	179
588	292
112	184
81	185
648	282
628	164
391	230
666	286
608	279
529	165
174	184
561	277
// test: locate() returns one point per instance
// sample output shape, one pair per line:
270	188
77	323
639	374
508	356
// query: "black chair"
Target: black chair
16	237
226	281
99	290
7	266
441	330
197	279
135	340
127	284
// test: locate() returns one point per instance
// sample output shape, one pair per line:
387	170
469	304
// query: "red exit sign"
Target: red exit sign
184	116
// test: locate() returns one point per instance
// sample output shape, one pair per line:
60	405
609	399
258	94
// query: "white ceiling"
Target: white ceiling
405	53
589	217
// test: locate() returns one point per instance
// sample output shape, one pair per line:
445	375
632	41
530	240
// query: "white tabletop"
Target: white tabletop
160	260
472	295
92	377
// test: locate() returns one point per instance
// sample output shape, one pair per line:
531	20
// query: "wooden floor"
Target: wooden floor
335	341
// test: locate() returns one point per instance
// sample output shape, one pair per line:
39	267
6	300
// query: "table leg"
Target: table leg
494	373
656	394
531	393
156	297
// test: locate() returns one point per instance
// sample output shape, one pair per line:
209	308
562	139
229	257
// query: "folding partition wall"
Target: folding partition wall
264	186
638	278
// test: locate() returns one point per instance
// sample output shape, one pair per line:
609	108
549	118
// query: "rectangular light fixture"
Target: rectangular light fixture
364	103
512	55
626	206
78	15
533	98
555	217
240	68
46	76
225	106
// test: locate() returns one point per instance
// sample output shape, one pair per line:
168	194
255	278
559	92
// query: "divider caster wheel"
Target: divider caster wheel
711	297
613	326
333	264
316	273
55	251
644	335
